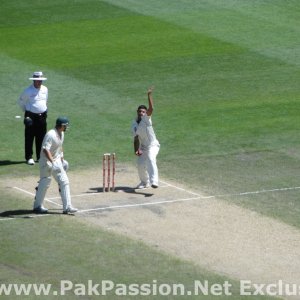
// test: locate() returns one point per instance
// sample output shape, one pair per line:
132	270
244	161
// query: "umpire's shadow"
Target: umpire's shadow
11	162
125	189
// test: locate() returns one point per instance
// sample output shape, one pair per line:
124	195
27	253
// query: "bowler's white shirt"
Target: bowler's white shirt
145	132
34	100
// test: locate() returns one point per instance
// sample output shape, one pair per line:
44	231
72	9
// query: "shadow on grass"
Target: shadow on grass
10	162
24	213
124	189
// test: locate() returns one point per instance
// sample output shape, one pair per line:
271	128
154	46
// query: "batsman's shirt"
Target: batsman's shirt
144	130
53	143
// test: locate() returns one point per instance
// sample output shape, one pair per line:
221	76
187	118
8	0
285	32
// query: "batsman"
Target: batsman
52	163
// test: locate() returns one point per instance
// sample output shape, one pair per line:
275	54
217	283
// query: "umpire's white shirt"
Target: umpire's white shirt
34	100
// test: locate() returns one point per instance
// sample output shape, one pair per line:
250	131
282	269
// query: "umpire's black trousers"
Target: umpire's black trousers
35	129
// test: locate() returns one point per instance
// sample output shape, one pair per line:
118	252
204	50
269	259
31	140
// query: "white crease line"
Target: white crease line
26	217
179	188
97	193
260	192
237	194
29	193
172	201
189	199
78	195
140	204
26	192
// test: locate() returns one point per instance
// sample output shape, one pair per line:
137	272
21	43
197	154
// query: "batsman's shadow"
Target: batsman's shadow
21	213
124	189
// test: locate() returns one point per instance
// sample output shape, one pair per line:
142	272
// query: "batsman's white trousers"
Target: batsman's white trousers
61	178
147	166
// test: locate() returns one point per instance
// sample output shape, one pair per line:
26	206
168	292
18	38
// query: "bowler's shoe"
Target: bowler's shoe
142	186
40	210
70	210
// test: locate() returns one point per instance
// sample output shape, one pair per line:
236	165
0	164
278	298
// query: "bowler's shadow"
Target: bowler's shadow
125	189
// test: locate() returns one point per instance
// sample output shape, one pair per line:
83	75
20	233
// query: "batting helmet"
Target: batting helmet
60	121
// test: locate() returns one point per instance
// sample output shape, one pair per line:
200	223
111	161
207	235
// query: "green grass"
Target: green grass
224	87
227	88
53	249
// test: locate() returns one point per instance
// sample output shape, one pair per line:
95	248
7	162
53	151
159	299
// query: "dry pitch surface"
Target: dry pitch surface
204	229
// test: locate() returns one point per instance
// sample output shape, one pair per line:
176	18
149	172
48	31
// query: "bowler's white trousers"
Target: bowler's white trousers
147	167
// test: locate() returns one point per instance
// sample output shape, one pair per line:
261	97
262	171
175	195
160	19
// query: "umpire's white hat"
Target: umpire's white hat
38	76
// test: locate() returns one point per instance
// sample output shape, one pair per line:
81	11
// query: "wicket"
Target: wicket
108	159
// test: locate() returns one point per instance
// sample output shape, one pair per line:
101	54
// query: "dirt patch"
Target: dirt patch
210	232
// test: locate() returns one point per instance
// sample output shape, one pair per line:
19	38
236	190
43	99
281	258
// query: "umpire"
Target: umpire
33	102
